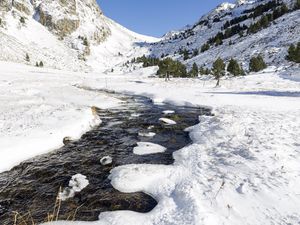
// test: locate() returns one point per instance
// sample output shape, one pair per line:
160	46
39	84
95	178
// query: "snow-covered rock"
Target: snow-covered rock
107	160
145	148
77	183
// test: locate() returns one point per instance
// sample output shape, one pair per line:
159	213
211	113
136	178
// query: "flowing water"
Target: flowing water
31	188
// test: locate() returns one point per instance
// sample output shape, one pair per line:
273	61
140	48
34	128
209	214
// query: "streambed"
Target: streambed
31	188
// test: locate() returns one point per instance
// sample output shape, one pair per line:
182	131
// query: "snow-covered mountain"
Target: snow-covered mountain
271	41
75	35
63	34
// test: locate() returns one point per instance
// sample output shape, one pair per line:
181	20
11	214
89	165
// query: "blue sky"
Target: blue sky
156	17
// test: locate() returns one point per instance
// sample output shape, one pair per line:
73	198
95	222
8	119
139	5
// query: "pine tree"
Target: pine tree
219	41
264	21
85	42
186	54
37	64
205	47
41	64
27	58
234	68
194	71
297	5
284	9
195	52
218	69
257	64
22	20
294	53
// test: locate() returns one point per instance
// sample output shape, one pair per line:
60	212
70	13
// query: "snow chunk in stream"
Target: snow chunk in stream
167	112
106	160
149	134
77	183
167	121
145	148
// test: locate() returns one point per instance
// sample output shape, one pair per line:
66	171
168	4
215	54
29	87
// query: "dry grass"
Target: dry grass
27	218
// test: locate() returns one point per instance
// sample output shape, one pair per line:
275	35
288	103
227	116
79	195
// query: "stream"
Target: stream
31	188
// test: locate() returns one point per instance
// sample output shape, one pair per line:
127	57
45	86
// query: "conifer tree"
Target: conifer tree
297	4
257	64
27	58
185	54
22	20
234	68
205	47
41	64
194	71
218	69
294	53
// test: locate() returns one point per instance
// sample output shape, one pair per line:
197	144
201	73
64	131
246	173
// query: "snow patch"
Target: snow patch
167	121
77	183
146	148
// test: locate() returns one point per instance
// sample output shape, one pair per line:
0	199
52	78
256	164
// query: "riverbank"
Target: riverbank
243	166
39	107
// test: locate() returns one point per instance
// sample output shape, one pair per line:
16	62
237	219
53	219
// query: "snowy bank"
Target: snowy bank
40	107
243	165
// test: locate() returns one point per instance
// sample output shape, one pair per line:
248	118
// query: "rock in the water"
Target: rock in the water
67	140
107	160
167	121
77	183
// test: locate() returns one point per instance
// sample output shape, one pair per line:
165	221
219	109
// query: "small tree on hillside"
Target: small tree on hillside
41	64
186	54
194	71
294	53
27	58
218	69
22	20
297	4
234	68
257	64
205	47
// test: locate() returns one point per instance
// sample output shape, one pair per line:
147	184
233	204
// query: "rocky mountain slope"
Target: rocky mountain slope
230	31
62	34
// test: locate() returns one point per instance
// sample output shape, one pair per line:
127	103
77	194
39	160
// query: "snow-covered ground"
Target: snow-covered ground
39	107
242	168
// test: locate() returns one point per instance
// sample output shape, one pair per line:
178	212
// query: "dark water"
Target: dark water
32	187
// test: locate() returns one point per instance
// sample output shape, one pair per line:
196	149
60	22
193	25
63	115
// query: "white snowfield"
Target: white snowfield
39	107
242	168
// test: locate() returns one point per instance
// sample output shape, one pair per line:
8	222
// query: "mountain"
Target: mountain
72	35
76	35
231	30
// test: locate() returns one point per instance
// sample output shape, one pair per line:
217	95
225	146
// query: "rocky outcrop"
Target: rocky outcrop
64	17
20	5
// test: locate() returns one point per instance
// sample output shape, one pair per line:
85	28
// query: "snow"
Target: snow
166	112
167	121
109	43
77	183
243	166
272	42
149	134
106	160
39	108
145	148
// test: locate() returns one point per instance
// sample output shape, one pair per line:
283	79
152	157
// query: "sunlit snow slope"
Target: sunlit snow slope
74	35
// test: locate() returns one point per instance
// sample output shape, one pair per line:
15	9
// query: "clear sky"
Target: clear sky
156	17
